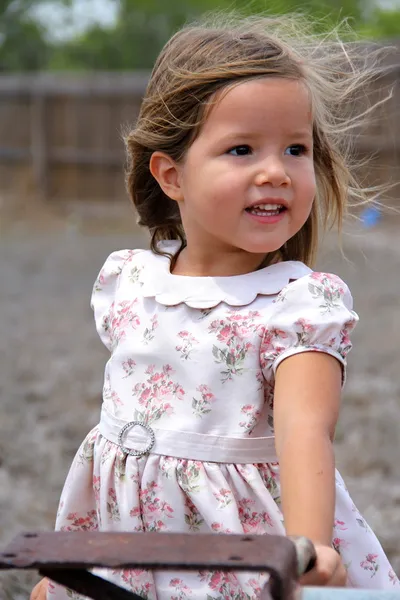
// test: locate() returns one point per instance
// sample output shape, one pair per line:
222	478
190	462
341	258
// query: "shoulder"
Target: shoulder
107	285
316	288
311	314
115	264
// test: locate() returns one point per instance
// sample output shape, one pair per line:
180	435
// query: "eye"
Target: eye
243	150
296	150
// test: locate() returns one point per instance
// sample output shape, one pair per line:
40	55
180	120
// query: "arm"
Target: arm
306	408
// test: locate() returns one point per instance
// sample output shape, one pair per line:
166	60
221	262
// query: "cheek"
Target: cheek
308	182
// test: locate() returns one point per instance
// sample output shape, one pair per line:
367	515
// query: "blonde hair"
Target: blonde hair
202	59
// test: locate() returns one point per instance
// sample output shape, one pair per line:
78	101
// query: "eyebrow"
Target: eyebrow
298	133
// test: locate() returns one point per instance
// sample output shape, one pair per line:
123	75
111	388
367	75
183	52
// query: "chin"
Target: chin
262	248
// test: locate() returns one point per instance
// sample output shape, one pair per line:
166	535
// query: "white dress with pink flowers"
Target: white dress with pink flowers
192	365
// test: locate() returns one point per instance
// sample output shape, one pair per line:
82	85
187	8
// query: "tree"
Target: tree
143	26
22	41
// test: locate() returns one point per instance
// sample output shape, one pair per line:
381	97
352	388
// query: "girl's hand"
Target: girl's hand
39	592
329	569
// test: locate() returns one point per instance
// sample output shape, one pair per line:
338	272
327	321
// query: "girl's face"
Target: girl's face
247	182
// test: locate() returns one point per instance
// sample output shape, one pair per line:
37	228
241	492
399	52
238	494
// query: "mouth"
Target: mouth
266	210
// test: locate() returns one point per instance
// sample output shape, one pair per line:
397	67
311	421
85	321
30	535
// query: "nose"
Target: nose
272	170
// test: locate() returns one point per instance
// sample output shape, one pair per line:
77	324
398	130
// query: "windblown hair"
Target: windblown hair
207	57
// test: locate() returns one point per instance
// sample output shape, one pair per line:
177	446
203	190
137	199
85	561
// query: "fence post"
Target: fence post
39	143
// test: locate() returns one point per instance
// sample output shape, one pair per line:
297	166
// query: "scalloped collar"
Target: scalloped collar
207	292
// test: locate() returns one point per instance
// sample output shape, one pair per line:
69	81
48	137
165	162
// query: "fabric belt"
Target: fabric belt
139	439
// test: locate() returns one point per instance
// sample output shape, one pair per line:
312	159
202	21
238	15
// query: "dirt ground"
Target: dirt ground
51	363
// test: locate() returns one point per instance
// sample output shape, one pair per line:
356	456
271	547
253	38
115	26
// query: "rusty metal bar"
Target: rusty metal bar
151	551
66	556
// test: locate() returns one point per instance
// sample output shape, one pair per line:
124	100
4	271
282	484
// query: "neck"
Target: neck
203	264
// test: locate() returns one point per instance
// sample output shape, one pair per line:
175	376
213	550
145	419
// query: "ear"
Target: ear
166	172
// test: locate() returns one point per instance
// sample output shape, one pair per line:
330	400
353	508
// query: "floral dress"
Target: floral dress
185	438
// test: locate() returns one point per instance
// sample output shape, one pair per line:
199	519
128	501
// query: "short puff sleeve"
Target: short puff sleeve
312	314
104	291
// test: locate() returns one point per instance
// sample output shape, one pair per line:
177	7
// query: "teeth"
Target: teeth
263	213
267	207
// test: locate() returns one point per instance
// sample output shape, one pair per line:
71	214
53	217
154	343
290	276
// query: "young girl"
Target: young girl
228	352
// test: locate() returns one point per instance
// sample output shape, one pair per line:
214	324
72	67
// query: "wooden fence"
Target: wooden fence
62	134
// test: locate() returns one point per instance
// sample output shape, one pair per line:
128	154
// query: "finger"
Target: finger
328	561
339	578
329	571
39	591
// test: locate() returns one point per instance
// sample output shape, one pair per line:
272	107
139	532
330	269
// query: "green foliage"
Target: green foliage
143	26
22	41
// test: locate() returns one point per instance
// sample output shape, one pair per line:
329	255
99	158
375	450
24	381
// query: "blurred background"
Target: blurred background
72	74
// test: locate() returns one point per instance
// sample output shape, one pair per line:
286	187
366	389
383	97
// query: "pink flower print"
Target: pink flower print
193	519
271	480
327	288
345	343
112	506
225	334
219	528
188	476
86	451
149	331
107	274
339	543
103	276
183	591
154	510
252	416
121	316
216	580
156	394
167	466
331	278
260	380
252	521
108	452
120	464
255	585
201	406
135	274
393	577
128	367
370	564
138	581
340	525
135	477
51	588
85	522
96	488
233	333
115	399
224	497
272	345
225	584
304	332
185	348
281	297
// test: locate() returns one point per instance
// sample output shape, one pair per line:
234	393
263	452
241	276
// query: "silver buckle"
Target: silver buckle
149	446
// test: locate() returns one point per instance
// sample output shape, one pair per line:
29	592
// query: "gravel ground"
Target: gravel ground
51	364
